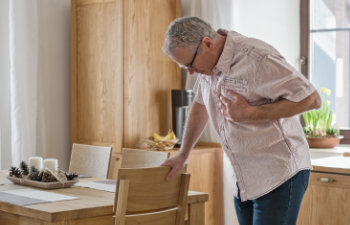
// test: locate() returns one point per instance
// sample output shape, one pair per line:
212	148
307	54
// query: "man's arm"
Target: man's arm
195	124
237	108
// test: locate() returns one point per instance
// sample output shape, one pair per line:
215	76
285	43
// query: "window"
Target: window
325	42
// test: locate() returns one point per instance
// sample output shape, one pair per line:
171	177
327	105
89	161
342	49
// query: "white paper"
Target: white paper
42	195
97	186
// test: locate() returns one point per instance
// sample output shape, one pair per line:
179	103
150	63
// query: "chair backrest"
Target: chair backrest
143	196
90	160
137	158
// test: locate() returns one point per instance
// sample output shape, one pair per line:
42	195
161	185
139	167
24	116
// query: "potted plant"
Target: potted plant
319	128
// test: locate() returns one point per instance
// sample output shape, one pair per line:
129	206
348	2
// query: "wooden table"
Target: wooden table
93	207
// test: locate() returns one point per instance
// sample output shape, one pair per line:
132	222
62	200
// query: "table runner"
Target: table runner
103	185
28	196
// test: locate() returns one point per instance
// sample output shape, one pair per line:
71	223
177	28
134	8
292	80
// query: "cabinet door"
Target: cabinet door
149	75
205	166
326	201
97	72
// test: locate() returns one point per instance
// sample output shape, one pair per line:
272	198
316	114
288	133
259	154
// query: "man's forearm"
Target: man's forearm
285	108
195	124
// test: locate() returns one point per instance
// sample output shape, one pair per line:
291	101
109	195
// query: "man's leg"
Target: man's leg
281	206
244	211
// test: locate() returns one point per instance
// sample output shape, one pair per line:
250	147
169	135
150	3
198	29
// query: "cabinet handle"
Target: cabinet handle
326	180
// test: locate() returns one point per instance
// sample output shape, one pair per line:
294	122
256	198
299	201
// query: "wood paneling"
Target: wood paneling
150	74
121	79
97	68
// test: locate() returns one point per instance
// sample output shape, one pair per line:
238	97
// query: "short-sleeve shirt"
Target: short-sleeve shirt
266	153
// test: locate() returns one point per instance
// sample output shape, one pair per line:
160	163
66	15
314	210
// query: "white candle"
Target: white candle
52	164
36	161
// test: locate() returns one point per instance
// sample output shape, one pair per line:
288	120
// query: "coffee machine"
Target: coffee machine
181	101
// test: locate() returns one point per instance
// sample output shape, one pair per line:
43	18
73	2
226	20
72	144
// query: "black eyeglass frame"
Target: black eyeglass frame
194	57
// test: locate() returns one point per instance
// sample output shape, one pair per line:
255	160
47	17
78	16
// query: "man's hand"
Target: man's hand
176	163
235	108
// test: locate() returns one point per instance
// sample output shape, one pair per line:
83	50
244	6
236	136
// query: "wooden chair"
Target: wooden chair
144	197
90	160
136	158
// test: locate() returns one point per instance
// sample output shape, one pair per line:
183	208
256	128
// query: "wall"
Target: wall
273	21
54	73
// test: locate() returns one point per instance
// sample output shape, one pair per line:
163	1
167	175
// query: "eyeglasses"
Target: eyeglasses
189	66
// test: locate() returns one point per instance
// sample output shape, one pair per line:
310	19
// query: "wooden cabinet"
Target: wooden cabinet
327	200
205	166
120	78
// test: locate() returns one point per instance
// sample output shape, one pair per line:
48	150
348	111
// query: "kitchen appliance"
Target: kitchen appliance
181	101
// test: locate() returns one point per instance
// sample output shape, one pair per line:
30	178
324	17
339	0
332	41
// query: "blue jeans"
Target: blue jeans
278	207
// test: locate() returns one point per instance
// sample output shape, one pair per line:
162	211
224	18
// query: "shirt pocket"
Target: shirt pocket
237	85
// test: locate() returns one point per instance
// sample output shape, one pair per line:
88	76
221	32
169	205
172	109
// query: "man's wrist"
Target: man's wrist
253	113
184	154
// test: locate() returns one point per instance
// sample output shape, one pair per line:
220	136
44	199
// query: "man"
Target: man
251	94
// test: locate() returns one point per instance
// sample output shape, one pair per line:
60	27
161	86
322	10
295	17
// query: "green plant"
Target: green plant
318	123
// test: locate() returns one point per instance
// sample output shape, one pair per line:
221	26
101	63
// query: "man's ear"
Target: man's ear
206	41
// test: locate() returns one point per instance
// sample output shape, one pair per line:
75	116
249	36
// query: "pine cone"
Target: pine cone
71	176
33	169
40	176
25	168
48	176
15	171
34	175
11	171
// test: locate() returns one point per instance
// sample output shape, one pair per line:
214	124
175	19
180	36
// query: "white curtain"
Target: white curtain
220	14
23	40
37	78
5	121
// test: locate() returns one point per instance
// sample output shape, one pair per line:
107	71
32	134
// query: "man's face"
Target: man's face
200	61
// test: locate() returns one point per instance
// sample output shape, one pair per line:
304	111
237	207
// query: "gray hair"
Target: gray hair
186	32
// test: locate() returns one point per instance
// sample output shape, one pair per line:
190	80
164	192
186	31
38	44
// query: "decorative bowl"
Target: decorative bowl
43	185
324	142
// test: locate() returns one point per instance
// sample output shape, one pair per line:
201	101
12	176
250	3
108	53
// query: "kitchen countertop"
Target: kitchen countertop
331	160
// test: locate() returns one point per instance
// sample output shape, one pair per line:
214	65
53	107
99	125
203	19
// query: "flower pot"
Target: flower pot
324	142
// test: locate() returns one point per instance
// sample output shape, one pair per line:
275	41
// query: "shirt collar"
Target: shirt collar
225	59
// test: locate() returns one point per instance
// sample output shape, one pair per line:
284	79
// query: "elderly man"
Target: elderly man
252	95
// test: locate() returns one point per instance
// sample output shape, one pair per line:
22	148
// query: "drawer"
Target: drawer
329	179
